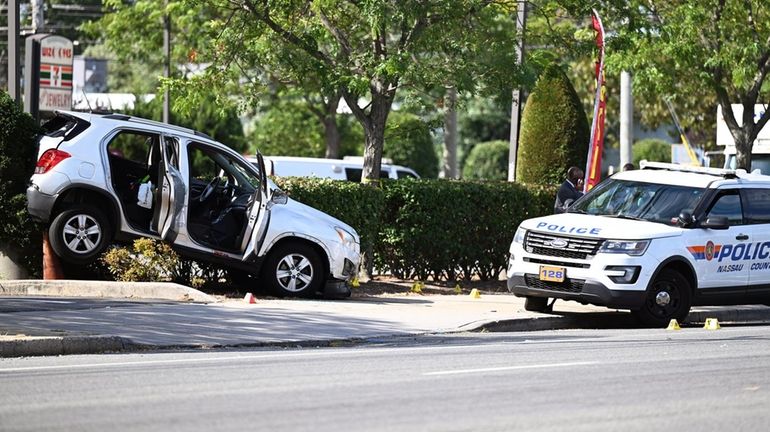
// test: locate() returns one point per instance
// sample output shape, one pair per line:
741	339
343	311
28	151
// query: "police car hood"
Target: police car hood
606	227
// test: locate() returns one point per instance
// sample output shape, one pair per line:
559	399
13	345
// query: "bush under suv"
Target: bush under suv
655	241
103	178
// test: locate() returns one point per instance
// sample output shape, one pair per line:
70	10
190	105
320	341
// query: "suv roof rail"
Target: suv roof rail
720	172
141	120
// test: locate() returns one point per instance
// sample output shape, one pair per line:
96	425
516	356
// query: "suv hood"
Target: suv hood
581	225
313	218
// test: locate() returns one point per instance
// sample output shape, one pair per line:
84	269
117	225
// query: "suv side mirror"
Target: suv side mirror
685	219
716	222
278	197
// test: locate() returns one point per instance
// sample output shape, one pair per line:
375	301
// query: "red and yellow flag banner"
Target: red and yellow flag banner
593	171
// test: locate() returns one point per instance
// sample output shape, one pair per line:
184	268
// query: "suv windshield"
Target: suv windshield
637	200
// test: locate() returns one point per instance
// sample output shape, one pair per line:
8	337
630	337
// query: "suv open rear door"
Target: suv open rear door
172	189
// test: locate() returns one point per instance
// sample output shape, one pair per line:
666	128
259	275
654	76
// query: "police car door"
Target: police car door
171	191
756	212
719	254
257	211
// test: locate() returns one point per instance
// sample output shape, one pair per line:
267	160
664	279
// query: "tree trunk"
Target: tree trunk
449	159
331	136
331	131
375	138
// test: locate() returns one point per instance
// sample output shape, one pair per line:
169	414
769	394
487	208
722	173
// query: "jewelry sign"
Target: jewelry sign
49	71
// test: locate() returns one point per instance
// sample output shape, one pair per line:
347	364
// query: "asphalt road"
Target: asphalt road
688	380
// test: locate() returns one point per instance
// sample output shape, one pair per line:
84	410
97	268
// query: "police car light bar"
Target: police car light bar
727	173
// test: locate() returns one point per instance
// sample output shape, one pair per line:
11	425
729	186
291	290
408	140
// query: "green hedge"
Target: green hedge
18	154
439	229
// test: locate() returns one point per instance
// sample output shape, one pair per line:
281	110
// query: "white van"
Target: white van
760	151
349	168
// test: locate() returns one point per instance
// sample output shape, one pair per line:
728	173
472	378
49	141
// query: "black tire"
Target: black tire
80	234
668	297
293	270
536	304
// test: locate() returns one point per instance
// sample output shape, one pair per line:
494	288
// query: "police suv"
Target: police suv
656	241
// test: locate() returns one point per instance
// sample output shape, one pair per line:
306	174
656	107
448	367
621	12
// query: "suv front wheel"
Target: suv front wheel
80	234
668	297
293	270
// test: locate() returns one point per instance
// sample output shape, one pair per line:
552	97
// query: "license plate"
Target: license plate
552	274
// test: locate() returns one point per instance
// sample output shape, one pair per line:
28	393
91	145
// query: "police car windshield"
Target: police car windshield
638	200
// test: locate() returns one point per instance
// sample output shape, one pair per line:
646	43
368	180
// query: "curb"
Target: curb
80	288
63	345
615	320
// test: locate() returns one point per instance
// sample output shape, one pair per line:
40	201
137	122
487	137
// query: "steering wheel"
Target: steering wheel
210	188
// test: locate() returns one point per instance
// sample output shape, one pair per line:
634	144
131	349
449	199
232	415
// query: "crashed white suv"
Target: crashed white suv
656	241
101	178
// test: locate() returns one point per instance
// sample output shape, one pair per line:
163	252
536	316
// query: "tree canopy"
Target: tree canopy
366	52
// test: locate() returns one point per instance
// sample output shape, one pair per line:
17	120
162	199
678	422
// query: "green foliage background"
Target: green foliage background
653	150
408	143
487	161
554	130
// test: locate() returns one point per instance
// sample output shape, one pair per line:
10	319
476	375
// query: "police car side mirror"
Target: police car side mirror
716	222
685	219
568	203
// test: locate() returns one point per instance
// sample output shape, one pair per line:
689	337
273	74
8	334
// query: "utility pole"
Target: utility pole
38	20
14	69
521	24
166	65
626	120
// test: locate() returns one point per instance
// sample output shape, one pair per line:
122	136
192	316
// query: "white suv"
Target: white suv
655	241
101	178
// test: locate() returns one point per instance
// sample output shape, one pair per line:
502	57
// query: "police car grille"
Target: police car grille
569	285
576	248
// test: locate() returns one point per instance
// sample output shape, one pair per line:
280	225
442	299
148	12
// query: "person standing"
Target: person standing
570	190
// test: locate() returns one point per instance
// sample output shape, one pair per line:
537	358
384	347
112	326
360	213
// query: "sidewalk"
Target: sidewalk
44	318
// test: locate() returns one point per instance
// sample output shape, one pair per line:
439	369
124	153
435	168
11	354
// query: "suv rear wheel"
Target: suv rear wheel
668	297
80	234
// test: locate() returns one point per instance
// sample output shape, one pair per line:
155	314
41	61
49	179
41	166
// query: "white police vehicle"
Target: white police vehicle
656	241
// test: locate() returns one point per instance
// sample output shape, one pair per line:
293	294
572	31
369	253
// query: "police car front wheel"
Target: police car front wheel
668	297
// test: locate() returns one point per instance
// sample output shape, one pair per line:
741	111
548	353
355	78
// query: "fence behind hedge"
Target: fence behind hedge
439	229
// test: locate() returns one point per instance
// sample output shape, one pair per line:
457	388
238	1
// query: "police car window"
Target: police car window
757	208
729	206
405	174
638	200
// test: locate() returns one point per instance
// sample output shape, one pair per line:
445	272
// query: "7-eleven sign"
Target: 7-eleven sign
55	81
55	76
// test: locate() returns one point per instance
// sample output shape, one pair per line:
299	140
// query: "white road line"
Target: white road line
507	368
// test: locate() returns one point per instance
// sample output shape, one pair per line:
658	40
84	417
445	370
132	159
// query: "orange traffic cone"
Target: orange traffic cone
249	298
52	268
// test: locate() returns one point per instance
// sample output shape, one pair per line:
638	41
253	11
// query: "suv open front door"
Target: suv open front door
257	215
172	189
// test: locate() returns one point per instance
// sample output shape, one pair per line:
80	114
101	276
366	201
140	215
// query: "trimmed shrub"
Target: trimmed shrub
408	143
651	149
18	154
554	130
448	230
487	161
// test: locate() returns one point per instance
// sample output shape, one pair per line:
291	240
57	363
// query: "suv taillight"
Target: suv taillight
49	159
